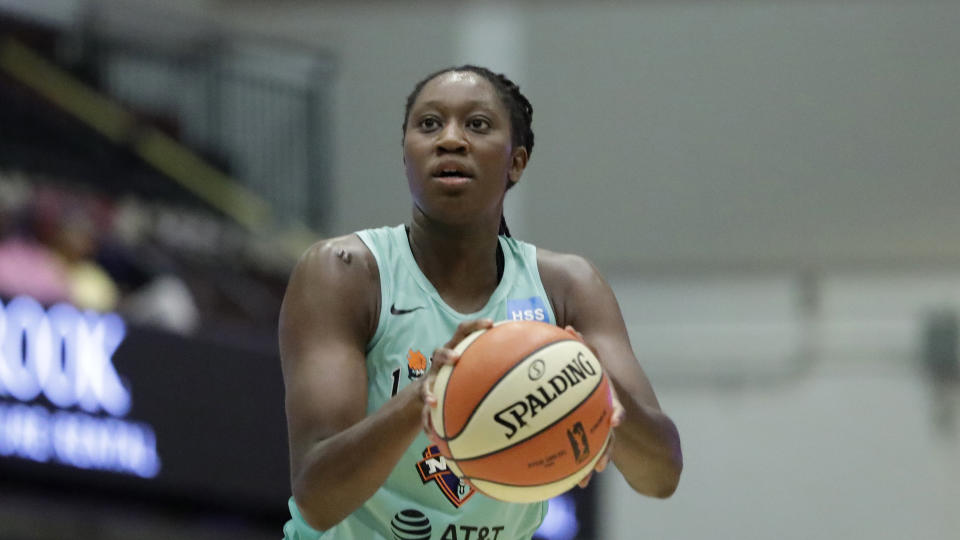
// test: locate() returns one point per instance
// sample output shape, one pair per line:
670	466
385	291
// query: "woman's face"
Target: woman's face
457	149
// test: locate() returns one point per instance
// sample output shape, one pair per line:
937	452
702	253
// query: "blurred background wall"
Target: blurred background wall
770	187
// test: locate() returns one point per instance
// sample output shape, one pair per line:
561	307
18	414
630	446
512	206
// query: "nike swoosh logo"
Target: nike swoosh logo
395	311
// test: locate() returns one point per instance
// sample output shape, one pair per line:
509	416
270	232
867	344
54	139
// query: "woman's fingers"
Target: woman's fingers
446	355
618	411
443	356
601	463
466	328
586	480
576	333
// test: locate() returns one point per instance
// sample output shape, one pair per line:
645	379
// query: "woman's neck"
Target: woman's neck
460	261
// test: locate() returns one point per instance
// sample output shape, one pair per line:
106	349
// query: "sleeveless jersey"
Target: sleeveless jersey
421	499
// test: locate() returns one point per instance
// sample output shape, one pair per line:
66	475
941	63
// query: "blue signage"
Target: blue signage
66	357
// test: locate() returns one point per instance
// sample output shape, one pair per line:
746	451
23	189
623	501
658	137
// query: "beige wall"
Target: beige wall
733	133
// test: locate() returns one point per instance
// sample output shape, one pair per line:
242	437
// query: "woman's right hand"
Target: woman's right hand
444	356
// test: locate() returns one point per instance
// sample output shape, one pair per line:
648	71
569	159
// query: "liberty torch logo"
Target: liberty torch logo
416	364
433	468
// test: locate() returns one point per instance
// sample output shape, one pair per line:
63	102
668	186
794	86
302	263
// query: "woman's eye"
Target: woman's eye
478	123
429	123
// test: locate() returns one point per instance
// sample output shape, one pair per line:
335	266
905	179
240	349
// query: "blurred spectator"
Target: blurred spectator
65	222
165	302
157	264
153	294
28	267
76	241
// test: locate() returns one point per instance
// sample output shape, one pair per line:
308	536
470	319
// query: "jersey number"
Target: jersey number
396	382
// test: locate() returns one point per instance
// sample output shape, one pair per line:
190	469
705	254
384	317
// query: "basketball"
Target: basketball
525	413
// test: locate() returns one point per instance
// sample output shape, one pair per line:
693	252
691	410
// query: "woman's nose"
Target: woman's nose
452	138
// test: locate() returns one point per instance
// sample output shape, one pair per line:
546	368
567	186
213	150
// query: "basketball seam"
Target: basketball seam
492	386
545	428
574	473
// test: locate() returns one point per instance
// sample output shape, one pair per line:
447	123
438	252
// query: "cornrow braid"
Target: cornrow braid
517	104
504	230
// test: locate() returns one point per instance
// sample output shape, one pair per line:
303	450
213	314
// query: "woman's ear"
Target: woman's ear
517	165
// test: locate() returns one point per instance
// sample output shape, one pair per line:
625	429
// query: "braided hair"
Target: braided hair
518	106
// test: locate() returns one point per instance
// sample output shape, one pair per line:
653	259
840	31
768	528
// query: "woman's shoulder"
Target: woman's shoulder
329	256
335	277
566	278
341	265
564	268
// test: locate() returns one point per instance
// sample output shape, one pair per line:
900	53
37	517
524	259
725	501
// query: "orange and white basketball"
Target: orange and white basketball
525	413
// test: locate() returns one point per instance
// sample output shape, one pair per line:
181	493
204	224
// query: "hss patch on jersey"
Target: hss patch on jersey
433	467
527	309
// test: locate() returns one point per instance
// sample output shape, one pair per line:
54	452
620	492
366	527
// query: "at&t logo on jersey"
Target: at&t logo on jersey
433	467
527	309
410	525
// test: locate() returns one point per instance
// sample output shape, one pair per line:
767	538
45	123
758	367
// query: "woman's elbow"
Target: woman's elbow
668	485
671	474
670	468
662	484
307	506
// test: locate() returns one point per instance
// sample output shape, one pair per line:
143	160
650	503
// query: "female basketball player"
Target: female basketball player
363	312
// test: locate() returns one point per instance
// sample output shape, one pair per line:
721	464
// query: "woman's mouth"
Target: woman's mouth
452	177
